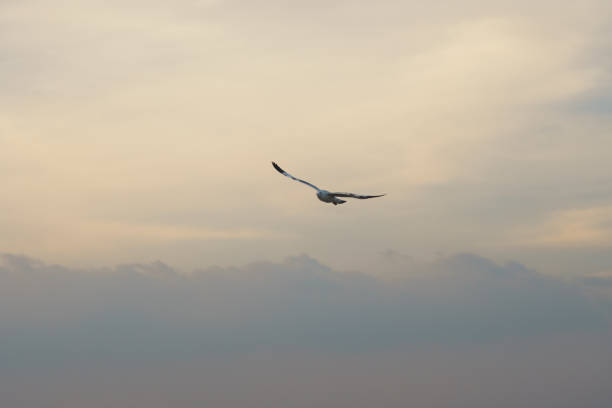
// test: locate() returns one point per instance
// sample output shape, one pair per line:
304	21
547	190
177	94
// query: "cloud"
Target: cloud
590	227
603	281
299	303
460	330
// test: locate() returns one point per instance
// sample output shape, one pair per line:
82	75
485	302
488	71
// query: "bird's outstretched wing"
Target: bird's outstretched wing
355	195
284	173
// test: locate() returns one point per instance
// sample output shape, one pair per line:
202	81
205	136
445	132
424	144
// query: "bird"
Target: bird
324	195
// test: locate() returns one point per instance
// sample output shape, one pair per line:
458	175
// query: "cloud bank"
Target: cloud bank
298	303
147	335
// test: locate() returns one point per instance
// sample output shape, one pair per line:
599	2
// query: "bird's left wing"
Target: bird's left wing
284	173
356	195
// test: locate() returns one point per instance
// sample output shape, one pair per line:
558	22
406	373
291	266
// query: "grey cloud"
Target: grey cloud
600	281
597	101
459	331
143	310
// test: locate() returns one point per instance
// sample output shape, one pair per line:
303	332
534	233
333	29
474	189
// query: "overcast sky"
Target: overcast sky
134	131
151	250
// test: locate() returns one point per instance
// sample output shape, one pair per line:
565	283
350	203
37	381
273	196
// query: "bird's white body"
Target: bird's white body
324	195
327	197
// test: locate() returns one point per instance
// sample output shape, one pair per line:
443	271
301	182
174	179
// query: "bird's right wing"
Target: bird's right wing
284	173
353	195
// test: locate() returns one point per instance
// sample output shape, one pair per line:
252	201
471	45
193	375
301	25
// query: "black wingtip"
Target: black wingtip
276	166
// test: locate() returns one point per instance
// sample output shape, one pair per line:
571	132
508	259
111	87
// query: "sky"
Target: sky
145	234
140	131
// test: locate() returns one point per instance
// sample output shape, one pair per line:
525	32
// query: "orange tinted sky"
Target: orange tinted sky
135	131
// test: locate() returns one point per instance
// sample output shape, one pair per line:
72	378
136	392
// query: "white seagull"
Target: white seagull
324	195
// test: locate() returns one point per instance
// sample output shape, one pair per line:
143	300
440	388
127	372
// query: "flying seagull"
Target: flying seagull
324	195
